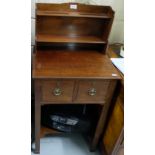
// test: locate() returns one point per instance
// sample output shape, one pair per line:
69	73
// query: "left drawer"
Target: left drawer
57	91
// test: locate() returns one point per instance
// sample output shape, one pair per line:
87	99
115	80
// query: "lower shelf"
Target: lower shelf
64	39
47	131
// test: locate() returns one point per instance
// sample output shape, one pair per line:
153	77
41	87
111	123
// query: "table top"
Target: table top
112	54
76	64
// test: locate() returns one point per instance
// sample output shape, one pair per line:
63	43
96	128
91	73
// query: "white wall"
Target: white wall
117	33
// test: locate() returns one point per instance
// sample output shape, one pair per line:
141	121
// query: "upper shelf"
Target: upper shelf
64	39
74	10
73	14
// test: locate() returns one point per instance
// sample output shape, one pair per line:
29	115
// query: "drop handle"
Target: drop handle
57	91
92	92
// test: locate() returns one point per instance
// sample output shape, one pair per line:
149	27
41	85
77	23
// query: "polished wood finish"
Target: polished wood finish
81	11
75	14
69	63
113	138
37	116
77	91
105	103
58	23
114	128
49	87
102	119
74	39
75	64
84	86
71	27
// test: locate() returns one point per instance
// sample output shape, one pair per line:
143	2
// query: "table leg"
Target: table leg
37	118
103	114
99	130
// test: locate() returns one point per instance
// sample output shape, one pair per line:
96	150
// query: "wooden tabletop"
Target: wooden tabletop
76	64
112	54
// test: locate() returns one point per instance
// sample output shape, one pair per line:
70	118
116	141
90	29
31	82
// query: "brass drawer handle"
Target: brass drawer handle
92	92
57	91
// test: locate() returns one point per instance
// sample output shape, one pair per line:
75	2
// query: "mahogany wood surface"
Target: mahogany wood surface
76	64
66	88
70	48
72	27
72	14
64	8
84	86
64	39
74	91
104	111
113	138
86	24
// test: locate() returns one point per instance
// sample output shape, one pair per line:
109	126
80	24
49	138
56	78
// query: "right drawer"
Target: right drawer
92	91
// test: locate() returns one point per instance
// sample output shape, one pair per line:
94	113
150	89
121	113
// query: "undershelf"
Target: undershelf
46	131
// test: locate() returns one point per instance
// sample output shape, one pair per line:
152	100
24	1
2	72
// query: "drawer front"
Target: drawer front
57	91
92	91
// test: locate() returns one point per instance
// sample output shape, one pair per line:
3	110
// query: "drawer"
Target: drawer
57	90
92	91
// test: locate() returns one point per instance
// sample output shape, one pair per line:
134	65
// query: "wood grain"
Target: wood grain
70	47
101	87
114	128
73	27
114	135
81	9
103	114
64	39
65	86
72	14
76	64
81	25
